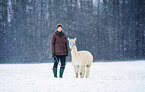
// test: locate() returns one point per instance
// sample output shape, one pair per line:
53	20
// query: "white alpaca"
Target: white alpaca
80	59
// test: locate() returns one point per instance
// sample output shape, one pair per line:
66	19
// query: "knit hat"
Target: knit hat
59	25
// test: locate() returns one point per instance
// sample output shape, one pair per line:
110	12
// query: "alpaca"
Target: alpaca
80	59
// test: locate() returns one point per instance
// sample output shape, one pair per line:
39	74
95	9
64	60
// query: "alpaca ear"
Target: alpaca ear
75	39
68	38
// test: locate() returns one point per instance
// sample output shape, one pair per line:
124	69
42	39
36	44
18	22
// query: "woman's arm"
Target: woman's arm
53	44
66	44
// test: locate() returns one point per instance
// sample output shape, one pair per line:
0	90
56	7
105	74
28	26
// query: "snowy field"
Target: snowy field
104	77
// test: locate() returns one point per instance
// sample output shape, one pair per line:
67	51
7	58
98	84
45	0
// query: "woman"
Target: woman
59	48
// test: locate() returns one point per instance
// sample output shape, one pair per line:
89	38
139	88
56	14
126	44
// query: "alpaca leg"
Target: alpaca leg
88	70
82	71
76	70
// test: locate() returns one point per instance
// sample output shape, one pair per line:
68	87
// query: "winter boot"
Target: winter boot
55	72
61	72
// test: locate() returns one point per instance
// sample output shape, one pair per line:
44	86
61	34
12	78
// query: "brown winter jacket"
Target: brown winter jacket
59	44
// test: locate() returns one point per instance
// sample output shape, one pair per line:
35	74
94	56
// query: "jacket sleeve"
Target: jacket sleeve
66	45
53	44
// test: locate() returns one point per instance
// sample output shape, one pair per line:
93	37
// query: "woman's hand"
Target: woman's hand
67	54
53	55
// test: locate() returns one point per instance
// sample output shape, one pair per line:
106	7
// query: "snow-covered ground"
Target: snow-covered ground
104	77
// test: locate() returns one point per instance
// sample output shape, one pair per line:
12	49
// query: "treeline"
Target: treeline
110	29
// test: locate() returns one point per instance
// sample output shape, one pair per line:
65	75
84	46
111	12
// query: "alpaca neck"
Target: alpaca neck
74	51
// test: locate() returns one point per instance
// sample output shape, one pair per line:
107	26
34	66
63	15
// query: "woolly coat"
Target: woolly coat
59	44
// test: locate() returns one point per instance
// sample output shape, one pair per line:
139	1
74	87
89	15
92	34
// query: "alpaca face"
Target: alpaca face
71	42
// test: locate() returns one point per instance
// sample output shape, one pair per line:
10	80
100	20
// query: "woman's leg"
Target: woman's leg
56	58
62	60
55	66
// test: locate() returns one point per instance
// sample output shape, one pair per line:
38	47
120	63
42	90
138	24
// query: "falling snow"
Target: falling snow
110	30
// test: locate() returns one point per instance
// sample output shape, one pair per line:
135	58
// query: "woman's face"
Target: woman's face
59	29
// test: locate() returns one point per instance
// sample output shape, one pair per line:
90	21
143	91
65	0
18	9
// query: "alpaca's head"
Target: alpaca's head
71	43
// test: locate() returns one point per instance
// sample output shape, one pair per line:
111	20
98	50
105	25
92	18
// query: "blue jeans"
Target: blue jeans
61	58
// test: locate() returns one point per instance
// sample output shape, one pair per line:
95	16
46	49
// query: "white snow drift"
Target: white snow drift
104	77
